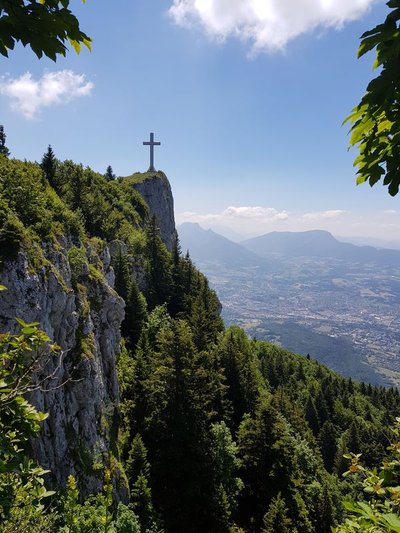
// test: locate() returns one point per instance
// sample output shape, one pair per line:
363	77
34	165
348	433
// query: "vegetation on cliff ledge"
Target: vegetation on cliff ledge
216	432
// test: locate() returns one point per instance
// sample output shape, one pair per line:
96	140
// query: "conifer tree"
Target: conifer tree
241	372
311	415
110	173
225	466
123	278
158	271
48	165
276	519
266	453
325	511
340	463
327	444
135	314
135	303
182	475
177	302
3	148
138	470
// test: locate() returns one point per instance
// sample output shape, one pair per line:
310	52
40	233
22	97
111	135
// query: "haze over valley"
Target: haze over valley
309	293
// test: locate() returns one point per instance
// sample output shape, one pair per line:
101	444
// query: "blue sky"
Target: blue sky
246	96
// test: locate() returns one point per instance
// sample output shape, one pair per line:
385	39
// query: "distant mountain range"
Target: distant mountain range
311	293
318	243
206	245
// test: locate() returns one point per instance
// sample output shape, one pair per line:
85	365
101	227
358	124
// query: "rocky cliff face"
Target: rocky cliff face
73	300
83	396
156	190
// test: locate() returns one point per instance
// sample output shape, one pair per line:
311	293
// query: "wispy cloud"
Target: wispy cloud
239	215
323	215
256	220
267	24
28	96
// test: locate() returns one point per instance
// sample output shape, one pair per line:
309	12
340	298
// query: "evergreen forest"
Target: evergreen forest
213	432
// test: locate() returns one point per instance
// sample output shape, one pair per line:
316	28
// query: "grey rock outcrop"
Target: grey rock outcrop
83	396
156	190
74	301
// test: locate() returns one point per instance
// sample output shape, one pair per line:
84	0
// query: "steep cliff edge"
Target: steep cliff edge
56	247
156	191
83	396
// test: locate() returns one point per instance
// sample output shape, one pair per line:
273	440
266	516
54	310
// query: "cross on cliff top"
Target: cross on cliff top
152	143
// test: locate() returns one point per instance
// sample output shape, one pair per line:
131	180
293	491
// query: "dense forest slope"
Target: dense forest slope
153	403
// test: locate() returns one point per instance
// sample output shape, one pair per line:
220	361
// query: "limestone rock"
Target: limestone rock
156	190
82	400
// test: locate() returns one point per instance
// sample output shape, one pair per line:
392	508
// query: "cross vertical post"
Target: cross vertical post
152	143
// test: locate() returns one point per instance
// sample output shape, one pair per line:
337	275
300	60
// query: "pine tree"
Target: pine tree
142	503
178	433
311	415
48	165
325	511
158	273
327	444
137	462
241	372
135	303
276	519
3	148
110	173
137	471
225	466
177	302
135	315
123	278
340	463
353	438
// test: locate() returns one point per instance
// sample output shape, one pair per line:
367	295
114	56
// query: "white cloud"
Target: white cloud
244	220
323	215
28	95
267	24
236	215
249	221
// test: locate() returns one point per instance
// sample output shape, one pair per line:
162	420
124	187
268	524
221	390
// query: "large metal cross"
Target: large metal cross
152	143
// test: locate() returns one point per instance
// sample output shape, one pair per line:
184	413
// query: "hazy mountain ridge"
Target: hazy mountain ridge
313	294
207	245
318	243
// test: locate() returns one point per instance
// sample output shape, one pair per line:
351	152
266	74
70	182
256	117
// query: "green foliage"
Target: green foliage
375	126
216	431
78	205
31	212
135	303
380	508
95	514
22	488
225	467
48	165
46	25
158	268
276	520
3	148
109	210
126	521
241	371
110	174
78	264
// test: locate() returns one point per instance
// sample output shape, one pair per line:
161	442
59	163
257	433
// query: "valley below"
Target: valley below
343	313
